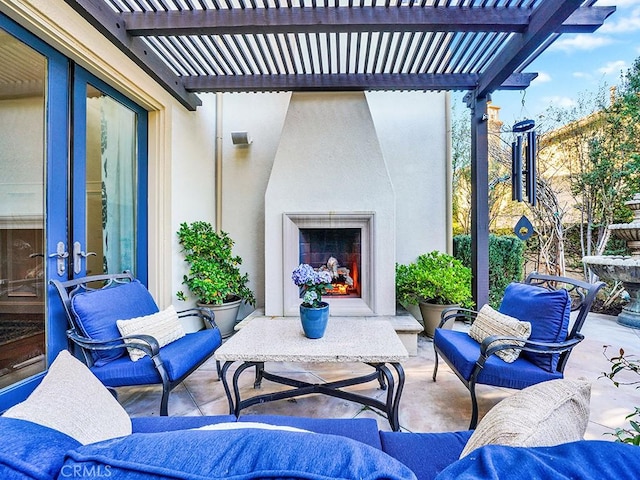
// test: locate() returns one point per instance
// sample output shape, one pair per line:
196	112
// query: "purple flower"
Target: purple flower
313	284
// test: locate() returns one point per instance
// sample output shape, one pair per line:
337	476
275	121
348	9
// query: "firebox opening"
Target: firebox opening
337	250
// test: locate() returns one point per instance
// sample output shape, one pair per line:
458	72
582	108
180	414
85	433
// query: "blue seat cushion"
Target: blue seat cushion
238	454
178	358
426	454
29	450
548	311
97	311
584	460
462	352
364	430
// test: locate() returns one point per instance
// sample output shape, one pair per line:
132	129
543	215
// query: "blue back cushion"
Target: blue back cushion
29	450
426	454
547	310
239	454
586	460
97	311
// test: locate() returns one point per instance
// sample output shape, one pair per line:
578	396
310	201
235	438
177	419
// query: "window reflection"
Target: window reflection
22	160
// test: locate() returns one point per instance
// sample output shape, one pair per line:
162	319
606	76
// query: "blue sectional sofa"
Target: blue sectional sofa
168	447
72	427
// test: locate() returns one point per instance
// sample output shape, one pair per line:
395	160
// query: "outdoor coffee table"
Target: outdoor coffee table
347	339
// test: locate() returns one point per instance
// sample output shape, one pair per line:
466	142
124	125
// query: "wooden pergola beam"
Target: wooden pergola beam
349	19
111	26
346	82
545	21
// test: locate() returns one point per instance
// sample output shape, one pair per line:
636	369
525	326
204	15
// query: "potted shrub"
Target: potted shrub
214	277
435	281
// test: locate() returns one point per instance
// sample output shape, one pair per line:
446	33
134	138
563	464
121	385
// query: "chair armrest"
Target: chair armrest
489	346
206	314
456	313
146	343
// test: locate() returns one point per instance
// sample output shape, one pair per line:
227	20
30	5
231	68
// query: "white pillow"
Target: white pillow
490	322
164	326
542	415
72	400
254	425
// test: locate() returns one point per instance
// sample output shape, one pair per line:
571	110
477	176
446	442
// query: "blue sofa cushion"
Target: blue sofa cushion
168	424
178	357
364	430
463	352
29	450
548	311
586	460
97	311
238	454
426	454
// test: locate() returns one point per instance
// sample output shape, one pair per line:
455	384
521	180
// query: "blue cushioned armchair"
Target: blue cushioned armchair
92	306
543	300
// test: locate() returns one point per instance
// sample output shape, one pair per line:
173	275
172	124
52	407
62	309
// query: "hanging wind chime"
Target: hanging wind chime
523	155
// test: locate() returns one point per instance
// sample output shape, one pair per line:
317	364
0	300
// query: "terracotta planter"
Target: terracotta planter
314	320
226	315
431	316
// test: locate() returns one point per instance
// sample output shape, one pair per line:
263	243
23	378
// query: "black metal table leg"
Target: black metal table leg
383	374
223	377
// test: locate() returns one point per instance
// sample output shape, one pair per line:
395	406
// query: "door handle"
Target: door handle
61	255
78	255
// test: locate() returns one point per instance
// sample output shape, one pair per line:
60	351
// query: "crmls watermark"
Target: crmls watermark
85	471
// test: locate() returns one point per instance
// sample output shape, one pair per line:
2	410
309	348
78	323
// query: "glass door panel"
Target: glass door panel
111	178
23	79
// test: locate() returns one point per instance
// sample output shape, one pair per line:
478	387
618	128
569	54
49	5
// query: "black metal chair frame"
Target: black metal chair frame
148	344
582	294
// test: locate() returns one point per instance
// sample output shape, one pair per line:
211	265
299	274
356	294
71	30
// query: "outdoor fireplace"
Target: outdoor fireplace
314	162
337	251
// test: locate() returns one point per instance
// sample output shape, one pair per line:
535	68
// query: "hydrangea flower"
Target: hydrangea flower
313	283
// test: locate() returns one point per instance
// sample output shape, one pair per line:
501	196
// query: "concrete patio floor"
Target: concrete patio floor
425	406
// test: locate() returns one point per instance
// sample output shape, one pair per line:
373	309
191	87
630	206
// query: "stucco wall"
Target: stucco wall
412	133
246	171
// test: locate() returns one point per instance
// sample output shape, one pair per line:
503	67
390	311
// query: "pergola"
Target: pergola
478	46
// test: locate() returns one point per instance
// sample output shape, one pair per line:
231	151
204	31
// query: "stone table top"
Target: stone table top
347	339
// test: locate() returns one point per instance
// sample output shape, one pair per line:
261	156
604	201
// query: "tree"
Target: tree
461	166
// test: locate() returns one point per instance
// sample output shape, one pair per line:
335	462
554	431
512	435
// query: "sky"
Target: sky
577	63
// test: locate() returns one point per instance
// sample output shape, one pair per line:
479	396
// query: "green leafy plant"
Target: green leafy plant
434	277
214	277
619	364
506	260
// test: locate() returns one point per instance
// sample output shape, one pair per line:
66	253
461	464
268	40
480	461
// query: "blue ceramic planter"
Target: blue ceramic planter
314	320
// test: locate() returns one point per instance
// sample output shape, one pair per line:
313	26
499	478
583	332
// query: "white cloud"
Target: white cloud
581	75
613	67
543	77
618	3
622	22
559	101
581	42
